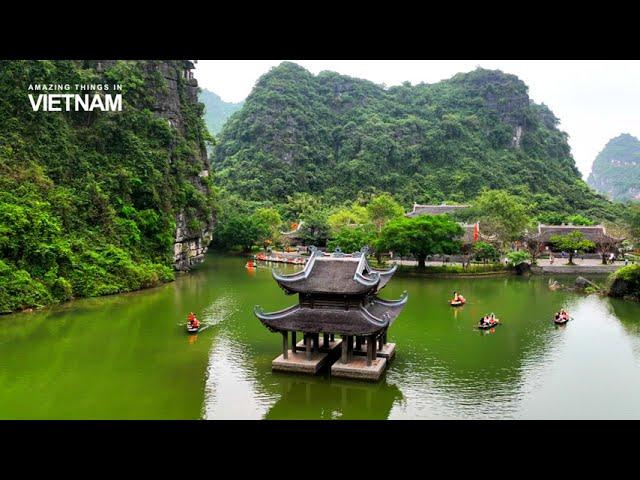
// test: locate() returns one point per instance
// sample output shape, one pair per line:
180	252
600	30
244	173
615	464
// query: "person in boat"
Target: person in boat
193	321
457	298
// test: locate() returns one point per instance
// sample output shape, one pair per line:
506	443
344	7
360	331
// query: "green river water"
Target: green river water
128	356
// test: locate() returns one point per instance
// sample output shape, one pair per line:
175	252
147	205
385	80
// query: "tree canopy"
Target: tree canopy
571	243
421	236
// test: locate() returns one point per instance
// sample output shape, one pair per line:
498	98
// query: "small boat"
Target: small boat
191	329
487	326
457	304
561	321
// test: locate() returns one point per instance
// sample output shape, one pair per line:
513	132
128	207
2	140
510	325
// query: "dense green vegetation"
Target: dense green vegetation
88	199
616	169
216	111
625	283
334	137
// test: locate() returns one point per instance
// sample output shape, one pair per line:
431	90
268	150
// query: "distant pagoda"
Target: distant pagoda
337	296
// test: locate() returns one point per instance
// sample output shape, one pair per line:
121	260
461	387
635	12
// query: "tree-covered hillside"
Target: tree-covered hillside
336	136
616	169
216	111
88	200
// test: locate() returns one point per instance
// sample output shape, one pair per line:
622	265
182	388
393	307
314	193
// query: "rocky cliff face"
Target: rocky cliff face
190	244
616	169
177	95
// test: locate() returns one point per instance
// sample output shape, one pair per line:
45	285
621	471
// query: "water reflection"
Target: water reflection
330	399
231	391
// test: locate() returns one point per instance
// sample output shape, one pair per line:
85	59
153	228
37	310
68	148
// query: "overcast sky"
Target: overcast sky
594	100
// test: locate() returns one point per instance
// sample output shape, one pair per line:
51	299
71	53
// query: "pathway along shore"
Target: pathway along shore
588	265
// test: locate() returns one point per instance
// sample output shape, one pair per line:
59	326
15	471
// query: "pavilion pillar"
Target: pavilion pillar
294	349
325	340
307	344
358	342
285	345
332	337
384	338
345	349
316	342
374	344
370	349
380	342
350	342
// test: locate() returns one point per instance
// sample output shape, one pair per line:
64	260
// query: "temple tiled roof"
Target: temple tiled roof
595	233
419	209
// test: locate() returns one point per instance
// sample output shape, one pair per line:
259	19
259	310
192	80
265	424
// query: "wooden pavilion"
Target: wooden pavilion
338	295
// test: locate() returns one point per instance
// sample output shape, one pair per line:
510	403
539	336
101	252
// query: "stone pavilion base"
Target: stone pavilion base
388	351
357	368
298	363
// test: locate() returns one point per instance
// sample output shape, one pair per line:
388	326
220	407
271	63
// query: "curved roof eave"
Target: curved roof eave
301	275
262	315
393	303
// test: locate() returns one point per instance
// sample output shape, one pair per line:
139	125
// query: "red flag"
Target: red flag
476	232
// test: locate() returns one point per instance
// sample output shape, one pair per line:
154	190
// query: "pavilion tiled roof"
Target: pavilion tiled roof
338	294
343	274
365	319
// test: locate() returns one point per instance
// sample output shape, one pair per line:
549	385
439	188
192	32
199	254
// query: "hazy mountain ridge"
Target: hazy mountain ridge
616	170
216	110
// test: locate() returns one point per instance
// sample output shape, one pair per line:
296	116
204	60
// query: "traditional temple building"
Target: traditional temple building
596	233
471	233
338	295
419	209
605	244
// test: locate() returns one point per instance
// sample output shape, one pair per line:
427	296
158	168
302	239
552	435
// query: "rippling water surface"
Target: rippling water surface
128	356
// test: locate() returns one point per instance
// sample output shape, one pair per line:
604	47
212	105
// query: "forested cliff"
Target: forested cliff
335	136
96	202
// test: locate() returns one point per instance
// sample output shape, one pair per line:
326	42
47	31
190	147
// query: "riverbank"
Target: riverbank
454	271
575	269
543	267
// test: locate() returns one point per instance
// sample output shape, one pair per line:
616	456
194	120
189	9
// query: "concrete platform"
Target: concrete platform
298	363
357	369
388	351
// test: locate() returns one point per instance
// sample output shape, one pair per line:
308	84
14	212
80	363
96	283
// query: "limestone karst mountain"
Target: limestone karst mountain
616	169
335	135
